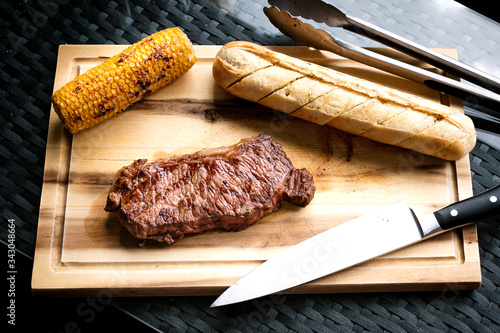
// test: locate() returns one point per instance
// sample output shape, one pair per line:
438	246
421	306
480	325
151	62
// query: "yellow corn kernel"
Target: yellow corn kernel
124	79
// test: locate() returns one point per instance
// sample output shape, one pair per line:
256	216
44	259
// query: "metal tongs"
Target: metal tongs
280	14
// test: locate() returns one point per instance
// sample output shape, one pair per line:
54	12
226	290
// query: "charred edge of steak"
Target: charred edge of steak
175	232
224	188
300	187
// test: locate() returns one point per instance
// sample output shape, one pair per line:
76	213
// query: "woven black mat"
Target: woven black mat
32	32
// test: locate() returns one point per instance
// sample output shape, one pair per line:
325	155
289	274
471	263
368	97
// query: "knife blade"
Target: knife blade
322	12
363	238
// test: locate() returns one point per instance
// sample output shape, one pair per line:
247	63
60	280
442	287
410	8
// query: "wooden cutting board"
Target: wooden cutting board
83	250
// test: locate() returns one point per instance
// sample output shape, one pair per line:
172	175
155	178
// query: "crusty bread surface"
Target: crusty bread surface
328	97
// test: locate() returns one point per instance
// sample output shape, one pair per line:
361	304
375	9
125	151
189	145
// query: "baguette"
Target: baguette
328	97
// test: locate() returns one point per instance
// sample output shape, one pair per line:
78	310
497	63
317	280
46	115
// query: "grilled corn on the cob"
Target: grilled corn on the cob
124	79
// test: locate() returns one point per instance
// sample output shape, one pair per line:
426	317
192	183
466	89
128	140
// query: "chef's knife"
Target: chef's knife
364	238
322	12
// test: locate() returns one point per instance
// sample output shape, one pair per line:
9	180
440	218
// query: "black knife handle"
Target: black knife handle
474	209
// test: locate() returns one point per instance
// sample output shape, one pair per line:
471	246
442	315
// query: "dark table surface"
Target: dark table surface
32	32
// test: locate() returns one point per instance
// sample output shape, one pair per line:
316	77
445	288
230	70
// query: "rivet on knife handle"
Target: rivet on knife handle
478	208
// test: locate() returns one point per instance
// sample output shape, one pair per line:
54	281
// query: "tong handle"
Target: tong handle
307	34
421	52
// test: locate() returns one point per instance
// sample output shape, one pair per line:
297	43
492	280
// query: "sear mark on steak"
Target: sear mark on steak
227	188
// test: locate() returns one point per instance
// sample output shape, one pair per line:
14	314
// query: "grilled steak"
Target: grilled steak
227	188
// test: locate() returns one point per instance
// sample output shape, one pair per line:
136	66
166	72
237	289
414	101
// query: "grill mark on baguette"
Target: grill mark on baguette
389	119
411	135
247	75
353	109
454	122
281	87
395	115
336	87
315	98
354	106
463	141
439	116
381	123
437	121
309	89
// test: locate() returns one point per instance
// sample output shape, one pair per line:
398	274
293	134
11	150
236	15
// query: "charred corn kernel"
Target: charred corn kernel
124	79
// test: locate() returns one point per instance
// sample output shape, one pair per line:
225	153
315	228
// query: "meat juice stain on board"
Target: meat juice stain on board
336	149
100	226
332	139
99	223
211	115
